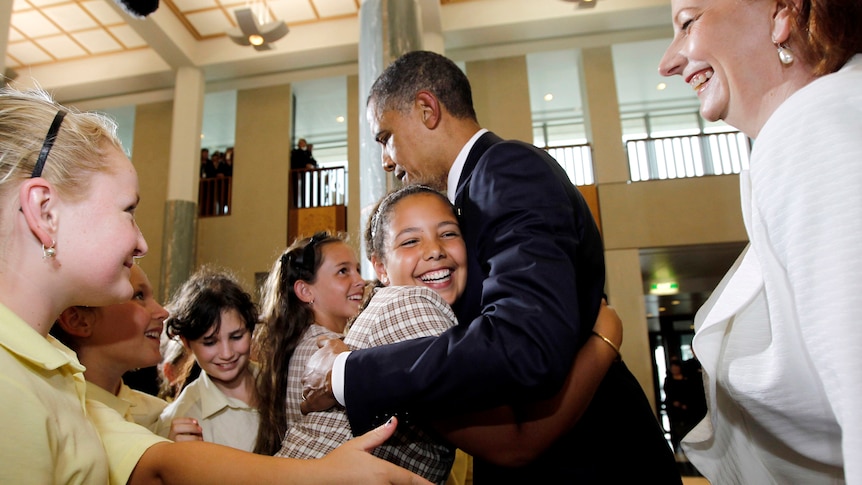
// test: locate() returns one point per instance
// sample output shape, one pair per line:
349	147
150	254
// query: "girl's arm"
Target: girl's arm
508	438
198	462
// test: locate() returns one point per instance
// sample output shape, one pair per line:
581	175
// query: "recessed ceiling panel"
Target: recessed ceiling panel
192	5
15	35
210	22
335	8
97	41
33	24
292	10
45	3
128	36
70	17
60	47
103	12
27	53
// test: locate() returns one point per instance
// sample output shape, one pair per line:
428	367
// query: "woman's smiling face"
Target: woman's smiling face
723	50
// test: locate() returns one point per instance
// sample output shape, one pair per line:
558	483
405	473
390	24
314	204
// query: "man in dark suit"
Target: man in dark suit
535	284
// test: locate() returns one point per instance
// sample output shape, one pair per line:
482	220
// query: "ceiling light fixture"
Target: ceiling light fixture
253	28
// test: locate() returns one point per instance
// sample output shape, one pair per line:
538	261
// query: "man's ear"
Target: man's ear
380	269
77	321
303	291
430	108
38	203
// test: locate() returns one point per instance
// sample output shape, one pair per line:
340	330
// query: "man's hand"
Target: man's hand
317	381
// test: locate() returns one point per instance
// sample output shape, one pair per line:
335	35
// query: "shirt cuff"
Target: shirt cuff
338	367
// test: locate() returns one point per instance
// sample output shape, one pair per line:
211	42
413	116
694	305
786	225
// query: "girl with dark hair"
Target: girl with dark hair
214	318
314	289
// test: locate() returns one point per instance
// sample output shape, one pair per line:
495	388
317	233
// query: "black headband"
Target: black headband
49	142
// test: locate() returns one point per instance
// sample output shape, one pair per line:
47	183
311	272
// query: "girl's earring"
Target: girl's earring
49	252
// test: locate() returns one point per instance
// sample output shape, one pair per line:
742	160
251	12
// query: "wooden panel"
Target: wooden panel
591	195
305	222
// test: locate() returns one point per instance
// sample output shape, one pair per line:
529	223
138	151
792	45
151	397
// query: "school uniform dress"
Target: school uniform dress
394	314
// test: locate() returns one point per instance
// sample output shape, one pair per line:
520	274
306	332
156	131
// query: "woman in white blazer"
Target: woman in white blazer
780	340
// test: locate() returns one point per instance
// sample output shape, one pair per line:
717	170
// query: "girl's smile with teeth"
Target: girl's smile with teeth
436	275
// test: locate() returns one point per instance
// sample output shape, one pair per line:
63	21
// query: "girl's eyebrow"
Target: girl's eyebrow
407	230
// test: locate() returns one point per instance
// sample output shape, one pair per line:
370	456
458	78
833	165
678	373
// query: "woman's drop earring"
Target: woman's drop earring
785	55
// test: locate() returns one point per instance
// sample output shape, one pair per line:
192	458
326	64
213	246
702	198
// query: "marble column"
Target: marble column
388	29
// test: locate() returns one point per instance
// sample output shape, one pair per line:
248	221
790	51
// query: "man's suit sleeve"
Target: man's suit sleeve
522	227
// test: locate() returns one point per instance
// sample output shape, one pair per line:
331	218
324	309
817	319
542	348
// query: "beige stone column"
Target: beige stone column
180	216
151	158
501	96
5	21
624	283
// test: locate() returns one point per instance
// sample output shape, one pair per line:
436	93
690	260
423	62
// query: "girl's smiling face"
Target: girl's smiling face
131	331
336	293
223	352
423	247
98	237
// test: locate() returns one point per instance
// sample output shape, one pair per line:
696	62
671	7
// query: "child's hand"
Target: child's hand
185	429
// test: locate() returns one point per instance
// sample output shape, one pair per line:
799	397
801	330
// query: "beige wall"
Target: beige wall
671	212
151	157
249	240
501	96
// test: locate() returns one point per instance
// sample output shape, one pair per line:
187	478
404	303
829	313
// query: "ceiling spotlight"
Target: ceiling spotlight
256	33
549	97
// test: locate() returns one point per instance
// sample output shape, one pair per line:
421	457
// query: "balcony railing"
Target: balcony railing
577	161
664	158
214	196
318	187
687	156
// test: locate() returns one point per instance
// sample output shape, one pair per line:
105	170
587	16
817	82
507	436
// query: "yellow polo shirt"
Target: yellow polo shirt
133	405
50	433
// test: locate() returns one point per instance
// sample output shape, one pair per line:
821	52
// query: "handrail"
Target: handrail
214	196
318	187
687	156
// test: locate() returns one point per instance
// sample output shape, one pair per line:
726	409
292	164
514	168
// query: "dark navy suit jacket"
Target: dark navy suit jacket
535	283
